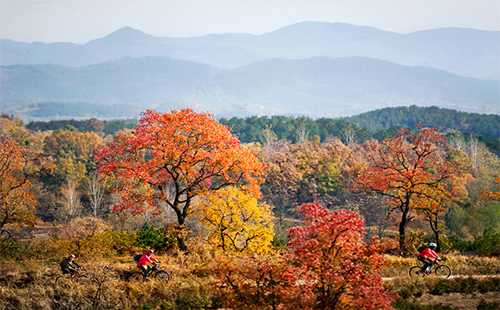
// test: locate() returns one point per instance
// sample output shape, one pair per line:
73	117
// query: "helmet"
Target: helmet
150	251
433	245
71	256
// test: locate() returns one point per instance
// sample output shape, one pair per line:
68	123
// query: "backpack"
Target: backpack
421	248
137	257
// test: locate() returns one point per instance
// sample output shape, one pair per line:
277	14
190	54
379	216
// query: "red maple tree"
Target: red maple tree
340	269
326	266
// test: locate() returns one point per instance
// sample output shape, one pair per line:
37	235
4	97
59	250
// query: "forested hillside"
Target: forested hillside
377	124
444	119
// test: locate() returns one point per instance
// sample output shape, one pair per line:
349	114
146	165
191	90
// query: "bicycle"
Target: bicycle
75	277
154	272
441	270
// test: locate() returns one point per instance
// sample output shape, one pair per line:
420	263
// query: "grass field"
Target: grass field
29	284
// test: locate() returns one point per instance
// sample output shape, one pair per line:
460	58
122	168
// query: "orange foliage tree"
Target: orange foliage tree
491	194
17	164
433	209
171	158
411	170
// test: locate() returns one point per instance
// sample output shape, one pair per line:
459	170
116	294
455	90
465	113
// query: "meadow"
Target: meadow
29	284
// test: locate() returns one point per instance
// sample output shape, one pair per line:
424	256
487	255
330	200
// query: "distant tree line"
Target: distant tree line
378	124
110	127
445	119
294	129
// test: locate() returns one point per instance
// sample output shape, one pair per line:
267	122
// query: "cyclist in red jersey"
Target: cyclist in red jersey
144	260
426	255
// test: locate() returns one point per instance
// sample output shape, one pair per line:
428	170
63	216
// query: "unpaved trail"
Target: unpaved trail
450	277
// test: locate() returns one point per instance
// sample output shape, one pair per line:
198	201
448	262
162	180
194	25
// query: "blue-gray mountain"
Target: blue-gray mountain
310	68
317	87
467	52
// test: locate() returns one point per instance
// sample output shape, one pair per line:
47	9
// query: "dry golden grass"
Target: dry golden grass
459	264
29	284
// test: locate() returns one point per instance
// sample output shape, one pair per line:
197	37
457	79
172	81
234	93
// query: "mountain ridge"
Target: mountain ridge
319	86
431	48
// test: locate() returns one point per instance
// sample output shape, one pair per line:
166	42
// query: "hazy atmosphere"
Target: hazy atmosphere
250	154
80	21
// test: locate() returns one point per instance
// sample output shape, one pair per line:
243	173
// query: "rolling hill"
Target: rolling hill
467	52
318	86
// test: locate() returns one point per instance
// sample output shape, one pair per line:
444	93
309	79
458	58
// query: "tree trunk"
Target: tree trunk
438	243
180	238
402	231
435	229
182	244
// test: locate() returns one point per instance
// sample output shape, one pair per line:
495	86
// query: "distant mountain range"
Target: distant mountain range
310	68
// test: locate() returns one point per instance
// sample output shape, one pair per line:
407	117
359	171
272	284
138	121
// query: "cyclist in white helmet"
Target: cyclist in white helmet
426	255
67	265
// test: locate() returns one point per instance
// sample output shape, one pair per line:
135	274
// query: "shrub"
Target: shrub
488	242
403	304
488	305
467	285
485	244
443	287
489	285
159	239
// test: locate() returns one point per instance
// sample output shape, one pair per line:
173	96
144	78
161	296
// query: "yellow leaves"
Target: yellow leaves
88	227
235	221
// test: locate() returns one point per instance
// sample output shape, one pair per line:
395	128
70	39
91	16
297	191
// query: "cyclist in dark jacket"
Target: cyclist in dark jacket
67	265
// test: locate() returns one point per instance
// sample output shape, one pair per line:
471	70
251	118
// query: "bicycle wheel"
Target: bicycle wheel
60	281
416	271
163	276
136	276
443	271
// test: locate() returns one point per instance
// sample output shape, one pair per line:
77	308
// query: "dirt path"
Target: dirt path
450	277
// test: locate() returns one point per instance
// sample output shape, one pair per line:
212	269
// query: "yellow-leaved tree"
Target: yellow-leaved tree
235	221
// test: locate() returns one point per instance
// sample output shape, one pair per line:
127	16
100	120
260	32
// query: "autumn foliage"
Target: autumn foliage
411	170
235	222
326	266
171	158
17	164
492	194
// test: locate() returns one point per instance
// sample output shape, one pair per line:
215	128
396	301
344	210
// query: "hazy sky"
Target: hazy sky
80	21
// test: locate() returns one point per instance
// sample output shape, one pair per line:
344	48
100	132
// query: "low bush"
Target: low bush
488	305
403	304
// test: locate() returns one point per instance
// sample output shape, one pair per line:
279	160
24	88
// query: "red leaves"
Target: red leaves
341	268
326	266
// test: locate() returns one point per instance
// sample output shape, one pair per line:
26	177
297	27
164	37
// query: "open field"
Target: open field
29	284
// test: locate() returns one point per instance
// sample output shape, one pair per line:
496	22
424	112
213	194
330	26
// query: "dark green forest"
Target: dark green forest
377	124
445	119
